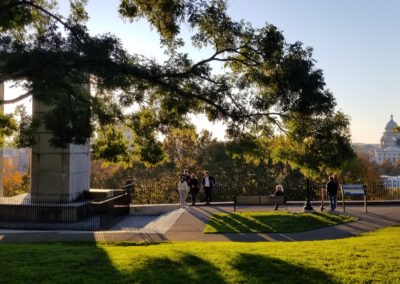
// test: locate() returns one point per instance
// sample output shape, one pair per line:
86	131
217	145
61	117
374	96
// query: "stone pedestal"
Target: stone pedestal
58	174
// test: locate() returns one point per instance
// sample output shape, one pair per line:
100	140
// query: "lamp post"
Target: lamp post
307	206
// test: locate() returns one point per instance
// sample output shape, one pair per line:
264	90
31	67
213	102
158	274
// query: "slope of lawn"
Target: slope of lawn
272	222
374	257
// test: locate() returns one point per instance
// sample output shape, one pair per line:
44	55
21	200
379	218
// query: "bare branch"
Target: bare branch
17	99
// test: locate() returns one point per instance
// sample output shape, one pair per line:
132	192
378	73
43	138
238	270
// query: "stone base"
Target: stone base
97	194
309	211
23	209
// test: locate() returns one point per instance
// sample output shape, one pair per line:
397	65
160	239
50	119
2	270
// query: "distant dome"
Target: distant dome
391	124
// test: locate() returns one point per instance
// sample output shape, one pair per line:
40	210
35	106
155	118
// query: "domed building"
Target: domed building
390	144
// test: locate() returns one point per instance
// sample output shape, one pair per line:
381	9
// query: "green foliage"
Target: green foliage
266	84
150	150
7	126
18	16
78	12
183	147
106	175
164	15
317	146
360	170
249	148
111	145
24	136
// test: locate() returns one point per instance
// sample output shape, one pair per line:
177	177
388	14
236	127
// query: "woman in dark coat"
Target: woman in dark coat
194	187
278	192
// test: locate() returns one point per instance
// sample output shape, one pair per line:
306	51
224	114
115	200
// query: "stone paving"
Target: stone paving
187	225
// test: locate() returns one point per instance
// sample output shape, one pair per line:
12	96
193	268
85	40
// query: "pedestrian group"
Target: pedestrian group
190	184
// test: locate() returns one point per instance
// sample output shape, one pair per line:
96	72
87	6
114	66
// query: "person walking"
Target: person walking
194	187
278	192
208	183
183	187
332	189
336	178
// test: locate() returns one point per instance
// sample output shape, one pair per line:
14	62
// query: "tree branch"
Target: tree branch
17	99
215	57
43	10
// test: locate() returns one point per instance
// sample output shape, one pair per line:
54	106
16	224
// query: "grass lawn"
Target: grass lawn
374	257
272	222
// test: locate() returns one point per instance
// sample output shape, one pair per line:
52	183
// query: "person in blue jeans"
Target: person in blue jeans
332	188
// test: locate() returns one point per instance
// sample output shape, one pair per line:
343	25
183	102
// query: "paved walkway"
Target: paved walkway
188	224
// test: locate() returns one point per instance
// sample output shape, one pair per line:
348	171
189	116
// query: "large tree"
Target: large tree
317	146
266	85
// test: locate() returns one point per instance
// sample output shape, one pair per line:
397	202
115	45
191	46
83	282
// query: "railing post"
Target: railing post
365	198
308	207
130	187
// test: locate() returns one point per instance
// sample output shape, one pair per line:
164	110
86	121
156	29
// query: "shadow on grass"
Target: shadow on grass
187	268
235	223
88	263
263	269
301	222
55	263
273	223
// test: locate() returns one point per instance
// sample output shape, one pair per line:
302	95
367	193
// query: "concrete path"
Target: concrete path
191	223
149	224
188	224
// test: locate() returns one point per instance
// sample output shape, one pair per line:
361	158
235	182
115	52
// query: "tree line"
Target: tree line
239	168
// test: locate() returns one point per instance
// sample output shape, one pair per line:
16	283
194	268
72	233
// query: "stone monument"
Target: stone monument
57	174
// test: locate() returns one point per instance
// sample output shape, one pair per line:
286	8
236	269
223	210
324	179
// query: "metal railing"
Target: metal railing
225	190
95	215
50	215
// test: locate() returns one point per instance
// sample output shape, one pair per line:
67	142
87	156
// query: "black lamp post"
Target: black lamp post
307	206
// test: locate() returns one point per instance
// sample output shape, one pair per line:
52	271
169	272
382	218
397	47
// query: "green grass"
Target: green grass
272	222
374	257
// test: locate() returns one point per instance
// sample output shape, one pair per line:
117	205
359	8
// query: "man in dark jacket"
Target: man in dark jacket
208	182
332	189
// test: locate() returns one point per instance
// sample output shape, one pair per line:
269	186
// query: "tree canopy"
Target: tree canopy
267	85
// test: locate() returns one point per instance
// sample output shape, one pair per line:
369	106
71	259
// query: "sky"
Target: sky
355	42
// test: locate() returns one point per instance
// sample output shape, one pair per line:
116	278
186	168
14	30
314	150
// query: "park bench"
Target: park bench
258	200
354	190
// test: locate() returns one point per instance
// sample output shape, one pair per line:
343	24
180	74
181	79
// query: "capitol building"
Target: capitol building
390	144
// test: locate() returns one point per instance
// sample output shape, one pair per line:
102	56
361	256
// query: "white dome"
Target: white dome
391	124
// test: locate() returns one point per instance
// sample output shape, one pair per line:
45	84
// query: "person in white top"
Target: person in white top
183	187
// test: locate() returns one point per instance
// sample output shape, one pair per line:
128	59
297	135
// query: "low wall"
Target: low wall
158	209
43	212
152	209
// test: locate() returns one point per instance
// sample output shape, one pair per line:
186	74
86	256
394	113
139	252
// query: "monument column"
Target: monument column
58	174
